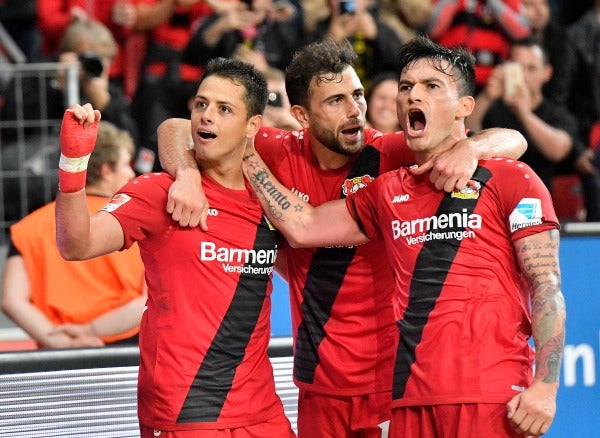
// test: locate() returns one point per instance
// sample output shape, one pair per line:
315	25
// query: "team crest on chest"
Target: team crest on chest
352	185
470	192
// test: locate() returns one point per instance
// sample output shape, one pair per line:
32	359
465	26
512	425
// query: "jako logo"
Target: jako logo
400	198
301	195
213	212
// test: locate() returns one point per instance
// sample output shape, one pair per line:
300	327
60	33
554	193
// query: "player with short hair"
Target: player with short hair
476	270
343	323
204	368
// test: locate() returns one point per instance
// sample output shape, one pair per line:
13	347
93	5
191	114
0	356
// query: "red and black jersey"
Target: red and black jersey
168	40
485	28
342	319
205	333
463	311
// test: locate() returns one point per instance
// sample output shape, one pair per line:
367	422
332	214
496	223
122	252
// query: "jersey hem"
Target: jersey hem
271	413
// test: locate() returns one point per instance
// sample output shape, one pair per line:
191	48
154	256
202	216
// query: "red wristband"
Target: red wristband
69	182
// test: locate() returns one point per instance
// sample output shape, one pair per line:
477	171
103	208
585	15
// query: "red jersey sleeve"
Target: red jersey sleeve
364	207
134	206
528	202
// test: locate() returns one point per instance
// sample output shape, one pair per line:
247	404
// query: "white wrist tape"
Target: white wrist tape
74	165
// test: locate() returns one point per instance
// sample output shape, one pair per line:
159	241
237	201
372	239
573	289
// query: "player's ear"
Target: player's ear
253	125
465	106
301	114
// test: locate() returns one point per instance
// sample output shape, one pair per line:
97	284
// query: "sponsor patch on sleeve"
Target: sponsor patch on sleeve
527	213
117	200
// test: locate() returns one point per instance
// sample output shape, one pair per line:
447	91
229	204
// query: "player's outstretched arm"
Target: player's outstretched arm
78	236
533	410
456	159
186	203
301	224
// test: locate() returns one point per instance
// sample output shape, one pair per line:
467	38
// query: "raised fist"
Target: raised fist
78	134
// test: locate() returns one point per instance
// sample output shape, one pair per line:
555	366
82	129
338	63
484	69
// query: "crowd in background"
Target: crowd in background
140	62
142	58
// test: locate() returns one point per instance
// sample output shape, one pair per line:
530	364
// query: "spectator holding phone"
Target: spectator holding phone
513	98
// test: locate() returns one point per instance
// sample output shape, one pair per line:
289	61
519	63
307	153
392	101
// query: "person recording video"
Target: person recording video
277	113
92	45
512	98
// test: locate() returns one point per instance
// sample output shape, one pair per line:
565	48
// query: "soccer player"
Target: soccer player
476	270
204	368
343	323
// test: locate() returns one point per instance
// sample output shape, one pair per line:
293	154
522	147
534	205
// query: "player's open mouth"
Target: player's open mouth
351	131
207	135
416	120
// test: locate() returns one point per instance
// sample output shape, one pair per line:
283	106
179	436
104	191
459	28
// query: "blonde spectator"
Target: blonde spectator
64	304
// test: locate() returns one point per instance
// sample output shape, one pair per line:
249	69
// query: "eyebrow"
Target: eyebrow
426	80
219	102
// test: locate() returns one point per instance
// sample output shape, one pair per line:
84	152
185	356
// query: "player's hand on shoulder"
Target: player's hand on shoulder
187	203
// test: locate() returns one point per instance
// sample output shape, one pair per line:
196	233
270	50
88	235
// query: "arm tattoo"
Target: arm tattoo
539	261
276	201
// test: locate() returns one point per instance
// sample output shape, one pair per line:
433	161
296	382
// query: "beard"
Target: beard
328	139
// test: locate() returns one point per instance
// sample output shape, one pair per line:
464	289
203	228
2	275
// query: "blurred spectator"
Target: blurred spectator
358	21
64	304
92	45
127	20
484	27
277	112
407	18
167	84
313	12
262	32
381	103
513	98
568	11
551	36
19	20
584	100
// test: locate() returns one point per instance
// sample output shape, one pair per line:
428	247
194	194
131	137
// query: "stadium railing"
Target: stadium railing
92	392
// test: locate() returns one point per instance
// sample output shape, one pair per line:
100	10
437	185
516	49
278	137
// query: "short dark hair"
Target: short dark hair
460	61
532	42
323	60
244	74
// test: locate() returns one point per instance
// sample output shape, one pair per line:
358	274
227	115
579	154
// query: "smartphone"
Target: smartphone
347	7
275	99
513	77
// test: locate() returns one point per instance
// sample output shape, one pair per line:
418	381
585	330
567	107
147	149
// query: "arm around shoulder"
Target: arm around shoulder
499	142
302	224
187	202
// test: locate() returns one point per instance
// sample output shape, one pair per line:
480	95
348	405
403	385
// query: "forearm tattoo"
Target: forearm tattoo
277	202
540	264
